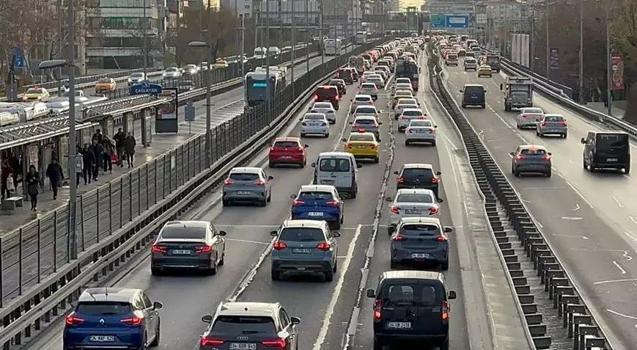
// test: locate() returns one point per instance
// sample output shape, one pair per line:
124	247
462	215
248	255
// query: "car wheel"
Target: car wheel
444	266
276	275
390	230
352	194
225	202
376	159
482	106
464	105
263	202
407	142
537	133
329	275
336	224
270	197
564	135
433	143
155	341
627	170
516	173
271	165
213	268
155	271
548	173
327	135
584	164
444	345
302	135
223	257
378	345
518	126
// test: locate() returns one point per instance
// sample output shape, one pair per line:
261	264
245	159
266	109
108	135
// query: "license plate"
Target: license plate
611	159
422	131
243	346
327	182
243	193
361	147
315	213
302	250
102	338
412	211
286	157
181	252
420	255
399	325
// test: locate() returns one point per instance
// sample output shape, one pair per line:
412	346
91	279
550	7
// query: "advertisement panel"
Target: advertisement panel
166	117
520	49
617	65
554	58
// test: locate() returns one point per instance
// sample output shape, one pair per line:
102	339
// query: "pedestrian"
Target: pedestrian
130	149
107	144
79	166
88	160
6	172
98	153
55	175
33	184
97	136
120	143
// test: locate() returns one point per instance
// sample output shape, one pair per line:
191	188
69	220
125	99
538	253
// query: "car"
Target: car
470	63
420	240
530	159
274	52
410	202
105	85
315	124
324	108
418	175
338	169
484	71
318	202
360	100
398	94
363	145
411	305
354	71
327	93
369	89
529	117
376	80
247	184
451	59
552	124
361	111
404	103
112	318
367	123
420	131
383	71
346	75
606	150
191	69
219	63
136	77
408	115
188	244
340	84
171	73
250	325
403	86
35	94
403	81
473	95
259	52
287	150
305	247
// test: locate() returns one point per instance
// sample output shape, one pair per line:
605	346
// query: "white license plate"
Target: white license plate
412	211
286	157
315	213
420	256
102	338
181	252
243	346
302	250
361	147
611	159
399	325
244	193
327	182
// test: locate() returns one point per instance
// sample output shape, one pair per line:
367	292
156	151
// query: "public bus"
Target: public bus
361	38
258	88
333	47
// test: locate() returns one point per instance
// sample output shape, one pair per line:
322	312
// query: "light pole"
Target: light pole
321	41
548	53
293	47
307	36
210	59
609	79
243	43
267	55
581	52
145	45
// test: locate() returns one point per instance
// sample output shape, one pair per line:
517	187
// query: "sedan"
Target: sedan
412	202
287	150
324	108
484	70
360	100
401	94
172	73
376	80
529	117
408	115
363	145
420	240
35	94
530	159
420	130
247	184
105	85
367	124
136	77
369	89
315	124
552	124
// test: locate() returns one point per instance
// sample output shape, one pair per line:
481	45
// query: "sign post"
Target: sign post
617	72
167	115
190	115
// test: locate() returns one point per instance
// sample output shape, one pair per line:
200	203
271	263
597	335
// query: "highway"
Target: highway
325	308
589	219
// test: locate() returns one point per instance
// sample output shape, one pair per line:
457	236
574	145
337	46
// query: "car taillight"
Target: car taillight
395	209
563	122
445	311
333	203
400	179
315	97
204	249
398	237
136	320
279	245
324	246
378	307
519	157
434	210
338	97
228	182
259	182
304	124
297	202
159	249
348	146
543	124
434	180
210	341
279	343
441	238
546	157
72	320
361	130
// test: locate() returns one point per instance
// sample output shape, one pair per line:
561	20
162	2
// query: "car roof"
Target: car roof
412	274
304	223
363	95
365	107
106	294
287	138
474	85
187	223
413	109
553	115
366	133
420	220
246	169
364	117
417	166
321	188
414	190
538	147
248	309
336	154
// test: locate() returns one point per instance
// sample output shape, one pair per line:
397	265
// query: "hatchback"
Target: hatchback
368	111
529	117
340	84
287	150
346	75
412	202
188	244
552	124
418	175
398	94
315	124
325	108
112	318
247	184
420	131
408	115
304	247
327	93
531	159
411	306
376	80
318	202
250	326
420	240
369	89
367	124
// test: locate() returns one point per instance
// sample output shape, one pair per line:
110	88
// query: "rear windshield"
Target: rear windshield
104	80
316	195
409	293
533	152
182	231
368	86
244	325
362	137
302	234
474	90
412	113
286	144
366	110
324	105
425	123
362	99
244	176
420	230
553	118
532	110
612	140
103	309
334	164
412	173
414	198
327	92
314	116
364	121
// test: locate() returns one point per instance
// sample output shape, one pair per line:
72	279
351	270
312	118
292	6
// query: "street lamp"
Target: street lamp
203	44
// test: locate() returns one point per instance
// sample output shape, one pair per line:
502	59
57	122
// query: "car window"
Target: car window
612	140
414	198
473	89
414	173
315	195
286	144
244	176
553	118
412	113
334	165
314	116
532	110
104	80
425	123
420	230
364	122
103	308
302	234
366	110
532	152
411	294
322	105
183	232
362	137
284	318
361	99
368	86
244	325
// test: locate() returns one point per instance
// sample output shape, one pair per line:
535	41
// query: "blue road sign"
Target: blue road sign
438	21
145	87
17	58
457	21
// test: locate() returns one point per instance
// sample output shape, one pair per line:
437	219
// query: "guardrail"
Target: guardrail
513	227
118	219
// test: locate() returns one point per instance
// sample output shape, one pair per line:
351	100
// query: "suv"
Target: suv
245	325
470	63
418	175
304	246
340	85
287	150
247	184
606	150
473	95
327	93
346	75
113	317
318	202
420	240
411	305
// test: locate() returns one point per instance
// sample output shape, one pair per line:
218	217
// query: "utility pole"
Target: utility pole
307	36
208	74
267	55
145	45
531	41
548	50
293	47
281	41
580	94
321	41
72	137
243	42
237	38
609	79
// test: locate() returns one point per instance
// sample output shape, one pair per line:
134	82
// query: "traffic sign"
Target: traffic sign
190	112
17	58
457	21
438	21
145	87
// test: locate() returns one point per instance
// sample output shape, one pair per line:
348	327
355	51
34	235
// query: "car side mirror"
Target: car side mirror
313	165
550	154
380	123
270	177
336	234
207	318
295	320
448	229
452	295
501	87
396	173
274	233
438	173
292	196
359	165
460	90
583	140
222	233
344	139
157	305
306	146
512	153
388	199
371	293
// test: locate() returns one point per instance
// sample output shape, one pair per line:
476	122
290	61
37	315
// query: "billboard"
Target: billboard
520	49
449	21
618	72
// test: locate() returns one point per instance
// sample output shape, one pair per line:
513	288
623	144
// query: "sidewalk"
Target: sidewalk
618	108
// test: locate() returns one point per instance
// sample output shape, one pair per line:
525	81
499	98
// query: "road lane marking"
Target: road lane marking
628	257
569	236
619	267
577	207
579	194
622	315
625	280
632	218
619	204
572	218
630	235
247	241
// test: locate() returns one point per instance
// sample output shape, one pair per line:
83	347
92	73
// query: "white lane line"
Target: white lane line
501	118
622	315
572	218
630	235
619	267
569	236
338	288
628	257
247	241
579	194
632	218
625	280
619	204
539	224
577	207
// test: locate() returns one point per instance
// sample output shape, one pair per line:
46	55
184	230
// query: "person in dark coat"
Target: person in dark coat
33	184
89	163
98	152
6	172
55	175
130	148
120	145
107	144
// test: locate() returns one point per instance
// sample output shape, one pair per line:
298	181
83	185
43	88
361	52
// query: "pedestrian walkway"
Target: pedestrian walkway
618	108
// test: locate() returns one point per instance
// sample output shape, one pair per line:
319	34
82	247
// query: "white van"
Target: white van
338	169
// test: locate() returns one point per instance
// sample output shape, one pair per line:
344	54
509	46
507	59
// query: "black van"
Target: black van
411	306
606	150
473	95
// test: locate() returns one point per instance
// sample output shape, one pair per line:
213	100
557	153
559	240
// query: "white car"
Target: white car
136	77
361	100
420	130
412	202
369	89
403	86
274	51
315	124
383	71
171	73
402	104
529	117
377	80
366	111
408	115
403	81
325	108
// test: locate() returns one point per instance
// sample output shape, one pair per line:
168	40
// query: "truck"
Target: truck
357	62
407	68
493	60
518	93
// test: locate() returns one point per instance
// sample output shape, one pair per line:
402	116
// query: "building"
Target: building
244	6
505	17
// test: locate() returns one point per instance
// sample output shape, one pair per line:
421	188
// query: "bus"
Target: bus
256	85
361	38
333	47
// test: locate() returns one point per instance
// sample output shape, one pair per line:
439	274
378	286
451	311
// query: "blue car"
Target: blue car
112	318
318	202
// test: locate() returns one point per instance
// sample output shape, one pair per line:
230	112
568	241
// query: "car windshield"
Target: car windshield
323	105
244	176
409	293
103	308
362	137
553	118
532	111
314	116
423	123
414	198
420	230
471	90
137	75
334	165
104	80
244	325
183	232
315	195
35	91
286	144
302	234
612	140
172	69
364	121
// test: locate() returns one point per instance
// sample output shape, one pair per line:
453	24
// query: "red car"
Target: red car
287	150
327	93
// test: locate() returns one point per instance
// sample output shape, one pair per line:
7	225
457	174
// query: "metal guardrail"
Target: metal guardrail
118	219
513	227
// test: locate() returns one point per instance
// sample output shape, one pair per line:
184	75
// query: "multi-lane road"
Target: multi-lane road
589	219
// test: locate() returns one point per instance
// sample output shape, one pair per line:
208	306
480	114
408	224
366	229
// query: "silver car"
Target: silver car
408	115
315	124
530	159
412	202
136	77
376	80
369	89
404	103
247	184
324	108
361	100
420	130
552	124
529	117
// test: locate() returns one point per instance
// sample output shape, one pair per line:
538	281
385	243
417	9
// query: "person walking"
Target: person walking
98	153
4	179
130	149
33	184
79	166
107	144
120	145
55	175
88	158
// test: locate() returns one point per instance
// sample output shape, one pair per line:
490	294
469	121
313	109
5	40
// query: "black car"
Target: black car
473	95
411	306
254	326
418	175
610	150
